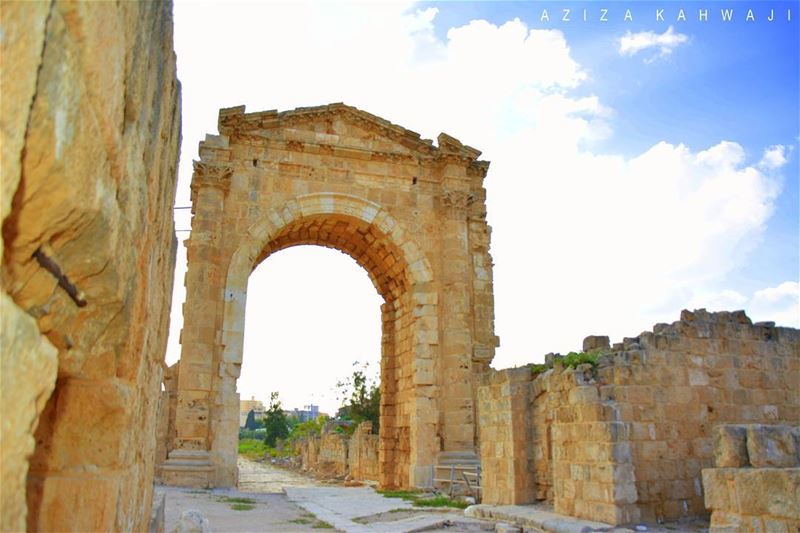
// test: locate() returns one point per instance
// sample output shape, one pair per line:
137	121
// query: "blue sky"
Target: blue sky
735	80
638	168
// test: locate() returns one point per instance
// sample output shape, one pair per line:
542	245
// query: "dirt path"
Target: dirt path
259	503
263	477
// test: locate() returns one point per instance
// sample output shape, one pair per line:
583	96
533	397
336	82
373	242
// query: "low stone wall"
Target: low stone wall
627	440
332	458
506	453
334	455
756	483
362	457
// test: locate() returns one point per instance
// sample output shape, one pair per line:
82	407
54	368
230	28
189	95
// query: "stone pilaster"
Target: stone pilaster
189	463
456	318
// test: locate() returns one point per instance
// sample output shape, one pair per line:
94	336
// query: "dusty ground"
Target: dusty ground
259	483
263	477
261	503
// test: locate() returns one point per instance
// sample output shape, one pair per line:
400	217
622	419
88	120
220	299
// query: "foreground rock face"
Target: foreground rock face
756	483
90	125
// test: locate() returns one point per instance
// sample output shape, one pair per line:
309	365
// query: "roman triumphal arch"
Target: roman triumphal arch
411	213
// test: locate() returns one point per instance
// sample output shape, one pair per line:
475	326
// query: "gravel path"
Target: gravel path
259	504
263	477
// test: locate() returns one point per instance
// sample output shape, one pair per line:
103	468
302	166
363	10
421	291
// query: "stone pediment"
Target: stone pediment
341	126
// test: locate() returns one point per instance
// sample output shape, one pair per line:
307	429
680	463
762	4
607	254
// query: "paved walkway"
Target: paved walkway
280	500
350	508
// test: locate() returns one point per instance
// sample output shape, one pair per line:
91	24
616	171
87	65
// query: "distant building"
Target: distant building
309	412
245	406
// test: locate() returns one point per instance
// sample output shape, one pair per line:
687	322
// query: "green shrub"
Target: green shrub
252	448
571	360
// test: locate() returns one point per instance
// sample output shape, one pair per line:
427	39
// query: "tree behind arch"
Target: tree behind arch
275	421
251	423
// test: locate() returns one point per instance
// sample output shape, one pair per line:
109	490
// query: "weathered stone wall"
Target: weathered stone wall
756	483
309	453
506	452
552	438
334	455
627	440
89	125
362	454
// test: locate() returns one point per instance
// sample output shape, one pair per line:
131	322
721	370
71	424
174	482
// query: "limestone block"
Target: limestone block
21	48
192	521
768	491
730	446
772	446
27	377
86	504
593	342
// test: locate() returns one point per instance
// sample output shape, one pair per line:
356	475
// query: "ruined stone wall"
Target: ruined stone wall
309	452
506	452
90	126
627	440
756	483
672	386
334	455
362	454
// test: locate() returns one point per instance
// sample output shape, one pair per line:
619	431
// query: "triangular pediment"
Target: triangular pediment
338	125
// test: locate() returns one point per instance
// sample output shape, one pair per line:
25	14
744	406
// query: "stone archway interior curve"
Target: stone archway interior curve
401	275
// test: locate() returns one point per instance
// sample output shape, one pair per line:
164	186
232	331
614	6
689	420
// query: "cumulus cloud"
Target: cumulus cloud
584	241
631	44
774	157
779	304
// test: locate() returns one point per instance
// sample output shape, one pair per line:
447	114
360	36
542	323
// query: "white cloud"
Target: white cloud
774	157
725	300
779	304
584	242
631	44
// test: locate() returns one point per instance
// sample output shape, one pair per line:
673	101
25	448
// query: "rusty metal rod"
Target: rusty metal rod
49	264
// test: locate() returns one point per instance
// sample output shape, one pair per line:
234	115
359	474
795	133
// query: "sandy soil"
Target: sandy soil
260	498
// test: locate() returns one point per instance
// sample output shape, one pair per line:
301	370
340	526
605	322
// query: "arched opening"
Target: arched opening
311	314
370	236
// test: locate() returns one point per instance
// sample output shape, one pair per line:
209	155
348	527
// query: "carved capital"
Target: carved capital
213	175
455	203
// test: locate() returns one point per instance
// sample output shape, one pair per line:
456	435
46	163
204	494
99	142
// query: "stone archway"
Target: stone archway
413	215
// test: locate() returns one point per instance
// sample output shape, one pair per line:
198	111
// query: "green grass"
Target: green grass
238	503
407	495
235	499
252	448
571	360
538	368
440	501
309	518
420	499
242	506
